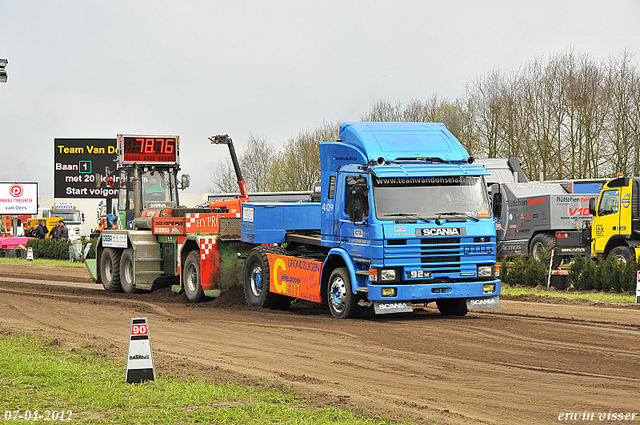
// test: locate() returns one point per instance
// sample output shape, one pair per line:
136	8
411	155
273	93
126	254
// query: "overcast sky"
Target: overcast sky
195	68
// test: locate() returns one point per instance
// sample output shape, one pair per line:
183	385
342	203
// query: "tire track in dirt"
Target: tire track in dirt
526	366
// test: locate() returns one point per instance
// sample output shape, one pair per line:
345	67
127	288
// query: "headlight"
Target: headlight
387	274
485	271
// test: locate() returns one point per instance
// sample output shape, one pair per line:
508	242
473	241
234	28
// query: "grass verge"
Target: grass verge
36	375
594	296
42	261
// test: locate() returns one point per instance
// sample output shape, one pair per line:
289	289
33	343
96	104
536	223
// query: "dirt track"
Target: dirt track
525	363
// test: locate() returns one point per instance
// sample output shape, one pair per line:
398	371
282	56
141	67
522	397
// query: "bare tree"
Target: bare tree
622	125
486	95
223	178
255	162
297	167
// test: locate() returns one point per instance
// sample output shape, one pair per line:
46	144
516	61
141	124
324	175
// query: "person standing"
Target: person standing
41	230
587	238
53	234
63	231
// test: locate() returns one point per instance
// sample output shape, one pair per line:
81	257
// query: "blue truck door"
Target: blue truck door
354	215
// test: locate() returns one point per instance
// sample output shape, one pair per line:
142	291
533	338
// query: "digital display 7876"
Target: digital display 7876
148	149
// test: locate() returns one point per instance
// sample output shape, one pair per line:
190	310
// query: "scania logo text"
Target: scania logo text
393	306
441	231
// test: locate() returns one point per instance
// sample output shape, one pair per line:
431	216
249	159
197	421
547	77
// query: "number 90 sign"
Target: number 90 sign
138	329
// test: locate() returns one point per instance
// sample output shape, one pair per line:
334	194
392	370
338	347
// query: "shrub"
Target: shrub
534	273
58	250
605	275
522	271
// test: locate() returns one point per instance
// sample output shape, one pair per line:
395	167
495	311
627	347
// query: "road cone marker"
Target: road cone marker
139	360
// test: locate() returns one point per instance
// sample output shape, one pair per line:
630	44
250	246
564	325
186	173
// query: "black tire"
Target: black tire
546	242
622	254
343	303
191	278
127	272
452	307
257	277
110	269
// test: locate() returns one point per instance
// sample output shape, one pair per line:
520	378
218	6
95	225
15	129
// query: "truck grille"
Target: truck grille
445	257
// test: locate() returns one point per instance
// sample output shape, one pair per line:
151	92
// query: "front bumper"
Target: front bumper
432	292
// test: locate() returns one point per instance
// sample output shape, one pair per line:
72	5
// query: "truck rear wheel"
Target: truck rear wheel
191	278
110	269
452	307
127	272
257	277
342	301
544	242
622	254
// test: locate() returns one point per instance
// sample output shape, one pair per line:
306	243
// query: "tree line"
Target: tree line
566	116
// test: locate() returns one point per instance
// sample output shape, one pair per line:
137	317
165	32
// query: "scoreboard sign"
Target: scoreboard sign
75	163
18	198
148	149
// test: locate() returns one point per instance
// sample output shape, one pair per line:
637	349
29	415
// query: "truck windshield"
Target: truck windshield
70	217
159	189
429	197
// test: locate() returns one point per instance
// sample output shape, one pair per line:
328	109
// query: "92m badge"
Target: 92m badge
419	274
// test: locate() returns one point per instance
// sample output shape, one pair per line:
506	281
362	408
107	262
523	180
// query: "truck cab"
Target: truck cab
615	230
406	204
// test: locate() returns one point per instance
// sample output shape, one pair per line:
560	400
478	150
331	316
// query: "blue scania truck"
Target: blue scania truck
402	218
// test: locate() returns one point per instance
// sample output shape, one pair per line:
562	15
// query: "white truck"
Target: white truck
73	218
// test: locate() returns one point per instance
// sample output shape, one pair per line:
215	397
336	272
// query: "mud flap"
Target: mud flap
484	302
392	307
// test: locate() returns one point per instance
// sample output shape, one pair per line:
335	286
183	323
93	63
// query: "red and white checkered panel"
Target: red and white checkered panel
206	246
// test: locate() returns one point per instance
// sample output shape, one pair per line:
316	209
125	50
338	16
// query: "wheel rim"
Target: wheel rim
256	280
621	259
128	271
192	278
108	269
537	250
338	294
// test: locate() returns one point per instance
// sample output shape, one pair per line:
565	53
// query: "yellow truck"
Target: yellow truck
615	230
50	222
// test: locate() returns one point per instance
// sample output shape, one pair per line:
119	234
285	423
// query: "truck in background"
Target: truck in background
615	231
49	222
537	216
404	218
503	170
73	218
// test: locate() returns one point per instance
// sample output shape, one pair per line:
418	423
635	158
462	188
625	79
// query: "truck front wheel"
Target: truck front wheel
110	269
622	254
342	302
257	276
191	278
452	307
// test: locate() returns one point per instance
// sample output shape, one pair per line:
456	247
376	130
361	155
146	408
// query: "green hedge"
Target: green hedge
606	275
522	271
59	250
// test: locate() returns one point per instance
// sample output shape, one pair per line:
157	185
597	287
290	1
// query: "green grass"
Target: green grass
595	296
36	374
42	261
